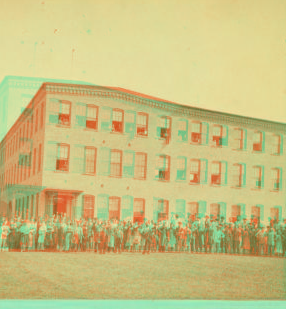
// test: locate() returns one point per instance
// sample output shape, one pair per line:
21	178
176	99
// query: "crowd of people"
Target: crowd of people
191	235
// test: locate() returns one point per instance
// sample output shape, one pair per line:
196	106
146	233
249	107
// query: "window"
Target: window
239	175
90	159
274	213
199	171
139	210
219	173
240	139
192	209
88	208
63	158
116	163
277	144
140	165
34	161
214	210
235	211
164	128
255	212
40	158
92	117
276	178
114	207
183	130
117	121
220	135
258	141
181	168
142	124
258	177
163	210
162	168
197	135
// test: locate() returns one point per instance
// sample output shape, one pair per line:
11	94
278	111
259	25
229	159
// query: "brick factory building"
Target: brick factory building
112	153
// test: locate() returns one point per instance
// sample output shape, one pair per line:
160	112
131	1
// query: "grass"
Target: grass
136	276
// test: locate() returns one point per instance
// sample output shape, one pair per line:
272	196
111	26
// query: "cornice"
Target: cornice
173	108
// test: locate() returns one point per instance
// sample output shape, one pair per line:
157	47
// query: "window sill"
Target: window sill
194	183
199	144
276	154
88	174
63	126
237	187
144	136
139	178
181	180
113	176
257	151
162	180
90	129
275	191
56	171
256	189
239	149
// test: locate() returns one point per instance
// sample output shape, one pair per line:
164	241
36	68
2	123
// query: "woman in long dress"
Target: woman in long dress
41	238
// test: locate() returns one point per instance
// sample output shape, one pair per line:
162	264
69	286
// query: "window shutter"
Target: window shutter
127	206
242	210
53	110
158	128
202	208
262	176
104	161
78	165
280	212
243	174
81	115
130	123
223	172
280	179
103	206
51	157
263	141
128	163
244	139
225	135
106	118
155	208
261	212
204	171
205	133
183	134
181	208
222	209
281	143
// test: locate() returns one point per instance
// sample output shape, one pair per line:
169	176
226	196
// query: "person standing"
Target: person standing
41	238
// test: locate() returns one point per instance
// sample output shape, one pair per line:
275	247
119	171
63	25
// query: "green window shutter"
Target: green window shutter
106	118
130	123
281	143
51	156
262	176
104	161
127	206
263	141
78	165
183	134
128	163
261	212
222	209
242	210
202	208
103	206
182	173
280	179
53	110
181	208
225	137
81	114
244	174
204	171
224	165
244	139
155	208
280	212
205	133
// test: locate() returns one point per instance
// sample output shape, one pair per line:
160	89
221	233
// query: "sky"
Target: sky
224	55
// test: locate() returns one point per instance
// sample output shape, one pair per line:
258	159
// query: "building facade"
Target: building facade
111	153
